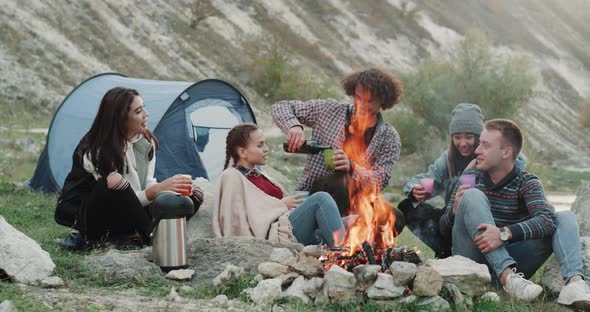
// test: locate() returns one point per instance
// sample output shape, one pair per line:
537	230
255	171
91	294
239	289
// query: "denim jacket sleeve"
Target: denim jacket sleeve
439	171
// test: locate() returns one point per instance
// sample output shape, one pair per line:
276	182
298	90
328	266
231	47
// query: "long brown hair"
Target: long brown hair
106	139
238	136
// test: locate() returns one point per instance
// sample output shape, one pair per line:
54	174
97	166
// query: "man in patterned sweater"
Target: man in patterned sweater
374	90
507	223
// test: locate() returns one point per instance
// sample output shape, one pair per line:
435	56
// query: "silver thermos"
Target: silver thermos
169	236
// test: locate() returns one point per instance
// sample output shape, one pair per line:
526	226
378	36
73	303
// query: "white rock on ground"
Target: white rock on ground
7	306
313	286
402	272
471	277
21	257
384	288
551	279
435	303
272	269
427	282
180	275
266	291
52	282
452	294
173	296
230	274
283	256
340	285
490	296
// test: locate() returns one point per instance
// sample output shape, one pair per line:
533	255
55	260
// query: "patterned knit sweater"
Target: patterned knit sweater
518	202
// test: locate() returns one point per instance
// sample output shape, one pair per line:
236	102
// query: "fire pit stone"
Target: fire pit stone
403	272
272	269
427	282
365	275
315	251
384	288
309	267
341	286
283	256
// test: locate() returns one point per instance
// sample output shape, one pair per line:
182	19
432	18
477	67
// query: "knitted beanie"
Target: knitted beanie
466	118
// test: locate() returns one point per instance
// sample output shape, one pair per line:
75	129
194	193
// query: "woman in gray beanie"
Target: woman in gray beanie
422	218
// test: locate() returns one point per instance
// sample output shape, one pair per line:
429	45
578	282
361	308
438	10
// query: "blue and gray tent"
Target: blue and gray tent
191	121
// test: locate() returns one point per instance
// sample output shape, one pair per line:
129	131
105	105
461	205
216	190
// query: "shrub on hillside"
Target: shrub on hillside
499	84
277	78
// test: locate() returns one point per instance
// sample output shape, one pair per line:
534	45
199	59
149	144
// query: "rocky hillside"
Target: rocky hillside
48	47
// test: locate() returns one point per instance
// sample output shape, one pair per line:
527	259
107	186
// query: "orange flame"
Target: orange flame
376	220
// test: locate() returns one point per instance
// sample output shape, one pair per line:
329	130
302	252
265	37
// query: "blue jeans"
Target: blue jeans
526	255
318	212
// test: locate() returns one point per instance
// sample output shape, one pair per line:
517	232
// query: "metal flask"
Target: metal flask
169	235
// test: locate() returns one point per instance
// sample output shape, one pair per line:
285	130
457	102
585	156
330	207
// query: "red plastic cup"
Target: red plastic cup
189	189
427	185
467	179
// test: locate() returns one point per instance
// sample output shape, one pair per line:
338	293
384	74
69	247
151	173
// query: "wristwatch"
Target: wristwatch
503	234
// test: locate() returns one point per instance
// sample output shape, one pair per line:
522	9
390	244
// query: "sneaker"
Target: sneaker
576	294
520	288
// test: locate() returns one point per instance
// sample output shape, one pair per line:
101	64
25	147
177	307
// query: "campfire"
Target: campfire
371	238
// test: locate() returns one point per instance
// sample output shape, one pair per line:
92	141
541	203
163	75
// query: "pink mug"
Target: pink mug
428	185
468	179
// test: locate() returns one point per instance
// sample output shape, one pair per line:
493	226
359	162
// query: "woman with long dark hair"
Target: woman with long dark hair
107	193
250	203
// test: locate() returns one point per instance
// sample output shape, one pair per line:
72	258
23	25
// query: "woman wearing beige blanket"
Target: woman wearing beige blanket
250	203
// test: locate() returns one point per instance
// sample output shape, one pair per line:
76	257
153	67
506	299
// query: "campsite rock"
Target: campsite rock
180	275
208	256
586	254
173	296
283	256
409	299
471	277
452	294
427	282
230	275
309	267
52	282
551	279
340	286
220	300
384	288
272	269
490	296
186	289
582	207
123	266
287	279
365	275
7	306
199	226
21	257
266	291
402	272
313	286
295	291
313	251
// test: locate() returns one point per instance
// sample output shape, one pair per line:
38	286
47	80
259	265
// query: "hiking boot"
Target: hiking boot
520	288
576	294
75	241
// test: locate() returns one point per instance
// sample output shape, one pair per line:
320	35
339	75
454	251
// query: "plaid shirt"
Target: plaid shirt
327	118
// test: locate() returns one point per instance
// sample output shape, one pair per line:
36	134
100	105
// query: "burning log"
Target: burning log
402	253
369	254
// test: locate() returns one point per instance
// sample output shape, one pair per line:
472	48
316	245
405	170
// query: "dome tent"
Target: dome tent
190	120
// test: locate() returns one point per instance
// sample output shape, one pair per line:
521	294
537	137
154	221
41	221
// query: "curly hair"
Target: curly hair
383	85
